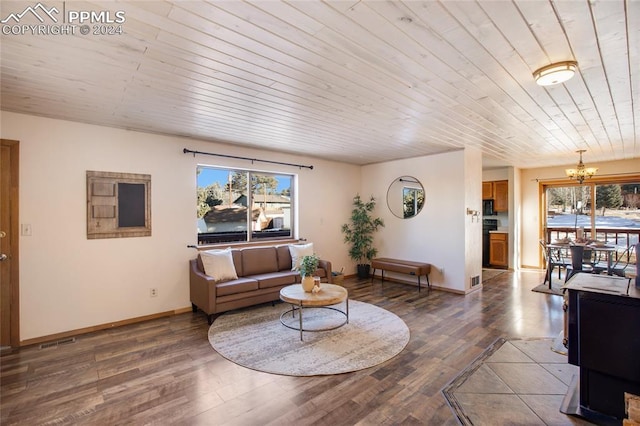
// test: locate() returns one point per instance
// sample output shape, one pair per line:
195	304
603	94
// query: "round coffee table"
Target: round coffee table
328	295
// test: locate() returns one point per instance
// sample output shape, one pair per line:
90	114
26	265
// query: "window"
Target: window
606	210
243	205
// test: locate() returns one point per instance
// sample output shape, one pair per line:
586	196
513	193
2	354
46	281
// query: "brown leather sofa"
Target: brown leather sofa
262	272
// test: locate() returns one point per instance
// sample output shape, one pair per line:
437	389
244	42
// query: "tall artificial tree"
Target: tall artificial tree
359	233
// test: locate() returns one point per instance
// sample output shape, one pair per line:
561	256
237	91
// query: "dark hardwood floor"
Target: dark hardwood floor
165	372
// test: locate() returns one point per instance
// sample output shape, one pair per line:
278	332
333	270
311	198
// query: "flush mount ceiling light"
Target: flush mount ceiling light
581	172
555	73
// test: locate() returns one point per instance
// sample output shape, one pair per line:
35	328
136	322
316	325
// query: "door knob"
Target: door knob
3	257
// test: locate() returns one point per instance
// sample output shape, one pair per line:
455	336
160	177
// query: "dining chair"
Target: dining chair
594	258
552	259
623	261
578	265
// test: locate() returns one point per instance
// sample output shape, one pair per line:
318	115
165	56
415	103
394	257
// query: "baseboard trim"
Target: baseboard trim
531	268
85	330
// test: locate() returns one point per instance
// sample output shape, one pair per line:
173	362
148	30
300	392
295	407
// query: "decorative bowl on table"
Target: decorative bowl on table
562	241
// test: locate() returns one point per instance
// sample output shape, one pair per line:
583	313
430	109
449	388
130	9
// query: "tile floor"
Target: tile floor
518	382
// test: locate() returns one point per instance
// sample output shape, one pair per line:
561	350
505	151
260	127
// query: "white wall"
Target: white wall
438	234
515	217
472	224
68	282
500	173
529	208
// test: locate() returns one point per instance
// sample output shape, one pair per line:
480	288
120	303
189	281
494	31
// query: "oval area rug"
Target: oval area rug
255	338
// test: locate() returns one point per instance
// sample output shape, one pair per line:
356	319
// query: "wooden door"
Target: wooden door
9	315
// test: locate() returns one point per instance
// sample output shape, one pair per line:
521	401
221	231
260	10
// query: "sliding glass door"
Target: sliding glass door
617	213
598	210
569	213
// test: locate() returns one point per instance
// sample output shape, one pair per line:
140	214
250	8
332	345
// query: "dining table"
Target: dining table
563	248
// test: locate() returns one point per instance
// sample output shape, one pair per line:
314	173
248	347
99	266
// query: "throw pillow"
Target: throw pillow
298	251
218	264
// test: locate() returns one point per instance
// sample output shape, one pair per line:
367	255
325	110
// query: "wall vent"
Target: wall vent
475	280
58	342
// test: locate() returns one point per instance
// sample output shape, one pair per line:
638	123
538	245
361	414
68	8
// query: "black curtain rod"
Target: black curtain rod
188	151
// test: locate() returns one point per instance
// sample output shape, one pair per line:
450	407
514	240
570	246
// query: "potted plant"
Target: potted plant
308	266
359	234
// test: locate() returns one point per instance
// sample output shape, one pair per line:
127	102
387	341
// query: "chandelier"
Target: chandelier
581	172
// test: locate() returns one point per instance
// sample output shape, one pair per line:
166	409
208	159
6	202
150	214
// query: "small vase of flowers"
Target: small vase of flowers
308	266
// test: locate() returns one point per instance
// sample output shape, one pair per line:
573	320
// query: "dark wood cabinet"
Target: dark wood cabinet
603	325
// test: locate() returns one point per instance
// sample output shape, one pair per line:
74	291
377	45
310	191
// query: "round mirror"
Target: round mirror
405	197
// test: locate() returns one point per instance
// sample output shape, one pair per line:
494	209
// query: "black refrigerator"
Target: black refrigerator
487	225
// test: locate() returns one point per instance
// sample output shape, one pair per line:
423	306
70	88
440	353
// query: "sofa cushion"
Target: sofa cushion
259	260
218	264
241	285
298	251
284	257
276	279
237	262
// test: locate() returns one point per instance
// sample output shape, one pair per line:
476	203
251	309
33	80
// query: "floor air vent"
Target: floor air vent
475	280
58	342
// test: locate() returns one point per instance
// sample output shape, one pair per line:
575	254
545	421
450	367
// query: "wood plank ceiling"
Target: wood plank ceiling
353	81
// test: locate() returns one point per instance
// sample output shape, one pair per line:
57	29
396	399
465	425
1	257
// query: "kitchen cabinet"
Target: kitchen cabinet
487	190
500	196
498	253
498	191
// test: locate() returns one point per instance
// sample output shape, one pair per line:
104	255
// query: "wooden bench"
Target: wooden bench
401	266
